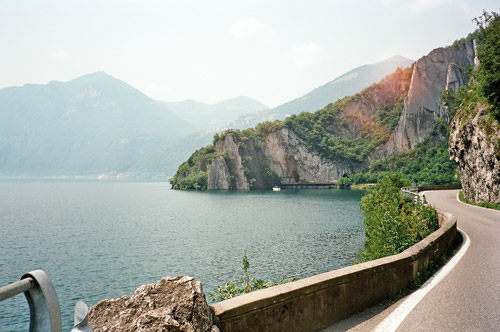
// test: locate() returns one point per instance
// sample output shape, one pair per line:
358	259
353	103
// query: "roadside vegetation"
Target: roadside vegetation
393	222
243	285
481	204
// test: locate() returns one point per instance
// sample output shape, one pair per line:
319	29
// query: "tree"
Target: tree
489	59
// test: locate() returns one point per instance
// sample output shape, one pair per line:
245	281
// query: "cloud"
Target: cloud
305	55
247	28
59	53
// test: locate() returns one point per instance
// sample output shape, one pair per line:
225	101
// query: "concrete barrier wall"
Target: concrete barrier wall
440	187
316	302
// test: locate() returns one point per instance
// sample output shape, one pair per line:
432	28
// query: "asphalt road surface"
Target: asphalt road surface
466	299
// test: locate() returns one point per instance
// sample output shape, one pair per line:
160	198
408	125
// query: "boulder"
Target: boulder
171	304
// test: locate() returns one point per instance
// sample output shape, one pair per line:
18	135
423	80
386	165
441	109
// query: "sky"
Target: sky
273	51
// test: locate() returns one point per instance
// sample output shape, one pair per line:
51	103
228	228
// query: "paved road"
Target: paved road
468	298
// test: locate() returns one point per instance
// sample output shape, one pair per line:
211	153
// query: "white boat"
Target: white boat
276	188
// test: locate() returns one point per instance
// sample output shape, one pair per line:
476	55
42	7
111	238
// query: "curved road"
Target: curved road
468	298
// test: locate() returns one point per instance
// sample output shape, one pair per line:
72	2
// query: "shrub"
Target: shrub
246	284
393	222
489	59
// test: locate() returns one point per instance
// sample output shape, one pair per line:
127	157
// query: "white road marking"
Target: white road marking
481	207
395	318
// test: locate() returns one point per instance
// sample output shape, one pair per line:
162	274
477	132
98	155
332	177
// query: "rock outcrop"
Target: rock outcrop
234	163
441	69
247	163
345	137
172	304
290	158
475	146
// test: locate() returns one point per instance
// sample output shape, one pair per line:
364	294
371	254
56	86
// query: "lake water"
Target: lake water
103	240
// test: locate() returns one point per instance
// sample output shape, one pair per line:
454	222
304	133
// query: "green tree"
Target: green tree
489	59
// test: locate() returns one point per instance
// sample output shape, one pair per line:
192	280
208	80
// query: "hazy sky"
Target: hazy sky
212	50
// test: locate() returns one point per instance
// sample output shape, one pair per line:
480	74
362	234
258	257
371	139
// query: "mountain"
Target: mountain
208	116
168	159
341	139
162	163
317	147
90	126
345	85
445	68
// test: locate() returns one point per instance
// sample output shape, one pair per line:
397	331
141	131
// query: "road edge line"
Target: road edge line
481	207
395	318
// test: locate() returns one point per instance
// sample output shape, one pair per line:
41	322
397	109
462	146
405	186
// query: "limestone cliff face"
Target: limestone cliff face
441	69
233	165
289	157
475	146
247	163
218	176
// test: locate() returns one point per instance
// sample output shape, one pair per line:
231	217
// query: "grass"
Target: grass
488	205
362	186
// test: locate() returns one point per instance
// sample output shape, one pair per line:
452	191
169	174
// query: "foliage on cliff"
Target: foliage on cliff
393	222
475	137
192	174
488	76
351	128
427	164
484	85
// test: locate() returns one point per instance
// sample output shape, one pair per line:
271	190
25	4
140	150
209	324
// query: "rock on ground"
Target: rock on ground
172	305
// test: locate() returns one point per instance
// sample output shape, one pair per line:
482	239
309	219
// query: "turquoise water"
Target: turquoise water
103	240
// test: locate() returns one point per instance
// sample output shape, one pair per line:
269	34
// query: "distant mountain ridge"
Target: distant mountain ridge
171	156
91	125
345	85
98	126
208	116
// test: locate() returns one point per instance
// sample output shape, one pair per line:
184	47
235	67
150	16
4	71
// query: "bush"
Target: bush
393	222
489	59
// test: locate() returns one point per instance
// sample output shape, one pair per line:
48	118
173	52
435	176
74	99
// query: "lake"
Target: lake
103	240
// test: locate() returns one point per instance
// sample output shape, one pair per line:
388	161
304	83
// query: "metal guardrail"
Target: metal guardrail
45	314
412	192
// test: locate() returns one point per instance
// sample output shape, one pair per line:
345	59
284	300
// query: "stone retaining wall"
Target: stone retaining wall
316	302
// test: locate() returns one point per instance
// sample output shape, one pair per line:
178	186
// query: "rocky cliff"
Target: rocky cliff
475	147
343	138
440	70
279	157
315	147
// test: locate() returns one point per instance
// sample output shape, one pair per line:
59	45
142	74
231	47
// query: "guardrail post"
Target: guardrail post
45	314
